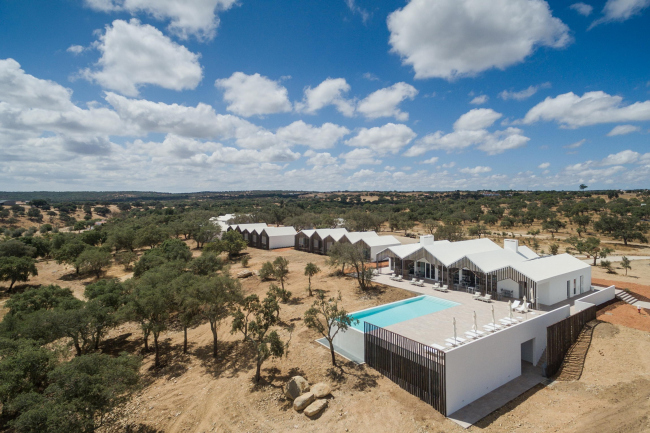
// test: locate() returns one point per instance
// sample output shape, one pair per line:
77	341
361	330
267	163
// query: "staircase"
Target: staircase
626	297
574	361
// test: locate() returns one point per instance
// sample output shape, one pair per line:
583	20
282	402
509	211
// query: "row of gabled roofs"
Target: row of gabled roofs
488	257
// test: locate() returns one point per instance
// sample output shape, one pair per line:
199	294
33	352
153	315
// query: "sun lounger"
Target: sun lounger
507	322
486	298
399	278
474	334
414	281
491	327
439	347
441	289
515	305
523	308
436	285
457	342
420	283
476	295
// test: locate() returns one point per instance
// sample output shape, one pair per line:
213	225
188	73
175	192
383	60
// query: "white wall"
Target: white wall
353	342
283	241
481	366
376	250
600	297
509	284
553	290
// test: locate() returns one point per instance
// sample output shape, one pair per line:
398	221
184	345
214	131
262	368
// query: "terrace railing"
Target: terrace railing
562	335
415	367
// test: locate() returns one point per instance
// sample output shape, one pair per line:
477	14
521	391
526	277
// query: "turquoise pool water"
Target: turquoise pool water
386	315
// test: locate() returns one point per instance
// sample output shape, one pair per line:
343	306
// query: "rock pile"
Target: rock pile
310	400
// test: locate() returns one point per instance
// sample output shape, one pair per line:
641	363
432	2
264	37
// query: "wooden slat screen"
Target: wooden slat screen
562	335
415	367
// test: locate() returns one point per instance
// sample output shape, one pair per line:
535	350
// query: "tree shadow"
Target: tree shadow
17	288
362	376
114	346
141	428
232	357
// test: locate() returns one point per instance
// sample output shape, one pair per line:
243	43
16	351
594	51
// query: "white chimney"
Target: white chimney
511	244
426	240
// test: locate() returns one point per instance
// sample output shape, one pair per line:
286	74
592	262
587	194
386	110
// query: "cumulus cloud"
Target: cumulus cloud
544	165
323	137
478	118
361	156
470	130
573	111
432	160
623	129
456	38
75	49
384	102
329	92
582	8
623	157
254	95
475	171
576	145
195	18
320	159
479	100
620	10
26	91
381	140
135	54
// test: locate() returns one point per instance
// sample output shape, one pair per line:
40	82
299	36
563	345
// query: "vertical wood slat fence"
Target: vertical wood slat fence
562	335
415	367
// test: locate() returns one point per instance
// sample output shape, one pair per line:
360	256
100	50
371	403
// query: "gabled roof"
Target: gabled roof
543	268
323	233
527	252
250	227
379	241
402	251
278	231
493	260
451	252
308	233
354	237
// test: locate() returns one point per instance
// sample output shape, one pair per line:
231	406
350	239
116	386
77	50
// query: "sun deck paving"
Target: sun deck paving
436	327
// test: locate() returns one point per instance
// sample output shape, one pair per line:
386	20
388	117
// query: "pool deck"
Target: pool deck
436	327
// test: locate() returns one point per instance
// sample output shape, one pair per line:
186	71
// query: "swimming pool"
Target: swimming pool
389	314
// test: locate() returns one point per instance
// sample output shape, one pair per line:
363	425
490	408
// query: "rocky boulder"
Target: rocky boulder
244	274
295	387
315	408
303	401
321	390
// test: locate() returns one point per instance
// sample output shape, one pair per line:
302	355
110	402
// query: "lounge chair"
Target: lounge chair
523	308
439	347
457	342
486	298
491	327
475	334
476	295
515	305
414	281
420	283
436	285
399	278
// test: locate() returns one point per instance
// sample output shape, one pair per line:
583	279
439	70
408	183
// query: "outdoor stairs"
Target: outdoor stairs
542	360
574	361
626	297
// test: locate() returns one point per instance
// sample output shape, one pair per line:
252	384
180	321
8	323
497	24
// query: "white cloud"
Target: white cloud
194	18
582	8
431	160
384	102
361	156
475	171
576	145
522	94
470	130
254	95
573	111
321	159
75	49
329	92
623	157
478	118
480	100
135	54
389	138
323	137
352	5
622	130
620	10
544	165
370	76
26	91
455	38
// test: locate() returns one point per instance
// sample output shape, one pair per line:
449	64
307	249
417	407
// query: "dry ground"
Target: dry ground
196	393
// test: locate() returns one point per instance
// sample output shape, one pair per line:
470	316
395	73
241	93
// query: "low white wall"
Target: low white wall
353	342
556	290
479	367
600	297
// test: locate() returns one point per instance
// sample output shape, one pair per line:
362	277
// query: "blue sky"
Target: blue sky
172	95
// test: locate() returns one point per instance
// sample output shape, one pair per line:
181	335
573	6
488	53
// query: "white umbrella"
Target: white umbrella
455	340
523	307
510	309
475	327
494	320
